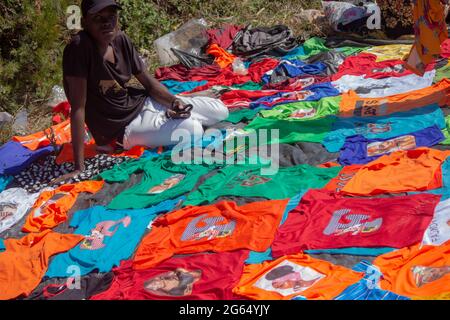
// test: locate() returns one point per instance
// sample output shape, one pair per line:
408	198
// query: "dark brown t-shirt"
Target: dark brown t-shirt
110	104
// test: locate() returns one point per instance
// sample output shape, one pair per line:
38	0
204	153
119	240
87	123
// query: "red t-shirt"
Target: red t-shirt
326	220
196	277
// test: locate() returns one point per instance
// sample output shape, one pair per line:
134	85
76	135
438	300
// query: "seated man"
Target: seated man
97	66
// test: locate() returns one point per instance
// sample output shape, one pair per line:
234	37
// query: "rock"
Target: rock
5	117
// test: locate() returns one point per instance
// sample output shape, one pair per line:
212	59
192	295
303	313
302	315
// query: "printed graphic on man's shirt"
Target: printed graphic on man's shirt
208	228
303	113
167	184
103	229
110	87
288	278
396	144
57	196
175	283
7	210
342	222
424	275
366	128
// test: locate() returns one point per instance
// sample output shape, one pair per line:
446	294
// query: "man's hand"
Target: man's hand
179	110
65	177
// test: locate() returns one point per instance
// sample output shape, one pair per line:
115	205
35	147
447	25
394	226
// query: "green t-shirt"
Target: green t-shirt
294	131
446	131
162	180
442	73
242	115
304	110
250	85
248	181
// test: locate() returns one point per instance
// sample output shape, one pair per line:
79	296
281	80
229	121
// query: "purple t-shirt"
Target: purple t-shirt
14	157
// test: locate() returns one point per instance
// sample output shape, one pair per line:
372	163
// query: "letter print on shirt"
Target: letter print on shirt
342	222
209	228
288	278
103	229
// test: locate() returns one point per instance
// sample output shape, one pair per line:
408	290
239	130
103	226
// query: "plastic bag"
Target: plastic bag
58	96
20	124
191	37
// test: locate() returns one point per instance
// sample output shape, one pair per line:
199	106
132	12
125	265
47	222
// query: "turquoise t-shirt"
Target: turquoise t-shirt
4	181
176	87
111	236
384	127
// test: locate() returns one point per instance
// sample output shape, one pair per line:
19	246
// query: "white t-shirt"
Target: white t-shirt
438	232
14	204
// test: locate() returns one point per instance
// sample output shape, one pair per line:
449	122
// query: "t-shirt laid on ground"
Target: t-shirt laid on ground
220	227
304	110
359	150
416	272
400	171
446	131
208	276
40	174
162	180
438	232
383	127
25	260
14	204
111	103
354	105
14	157
326	220
390	51
110	236
344	176
377	88
312	93
291	69
5	181
249	180
368	288
292	276
51	207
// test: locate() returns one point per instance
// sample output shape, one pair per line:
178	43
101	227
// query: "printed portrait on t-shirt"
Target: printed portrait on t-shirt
44	206
344	221
167	184
424	275
7	210
175	283
208	228
382	147
303	113
110	87
288	278
399	69
103	229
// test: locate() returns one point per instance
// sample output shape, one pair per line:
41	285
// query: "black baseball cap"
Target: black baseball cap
94	6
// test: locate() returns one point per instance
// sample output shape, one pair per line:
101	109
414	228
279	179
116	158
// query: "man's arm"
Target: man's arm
76	90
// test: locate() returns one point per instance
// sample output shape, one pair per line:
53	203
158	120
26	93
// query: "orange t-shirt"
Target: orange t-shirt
295	275
345	175
25	260
223	57
51	208
353	105
90	151
61	133
401	171
415	272
224	226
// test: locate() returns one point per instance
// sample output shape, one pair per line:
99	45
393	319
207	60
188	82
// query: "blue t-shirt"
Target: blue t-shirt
111	236
176	87
384	127
14	157
295	68
368	288
314	92
360	150
4	181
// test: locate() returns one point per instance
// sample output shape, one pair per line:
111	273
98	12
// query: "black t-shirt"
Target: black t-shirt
110	104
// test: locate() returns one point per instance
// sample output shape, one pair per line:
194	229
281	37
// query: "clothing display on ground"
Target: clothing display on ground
14	204
220	227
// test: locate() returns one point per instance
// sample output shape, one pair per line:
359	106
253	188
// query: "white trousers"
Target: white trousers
151	128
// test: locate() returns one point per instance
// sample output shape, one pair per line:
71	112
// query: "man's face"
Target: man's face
103	25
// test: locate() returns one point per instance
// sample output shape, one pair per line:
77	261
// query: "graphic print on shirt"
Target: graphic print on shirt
399	68
294	95
396	144
288	278
167	184
204	227
103	229
343	222
305	82
247	179
110	87
38	211
424	275
303	113
343	178
176	283
370	108
366	128
7	210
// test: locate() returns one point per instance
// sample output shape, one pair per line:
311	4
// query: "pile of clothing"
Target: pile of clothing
359	208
